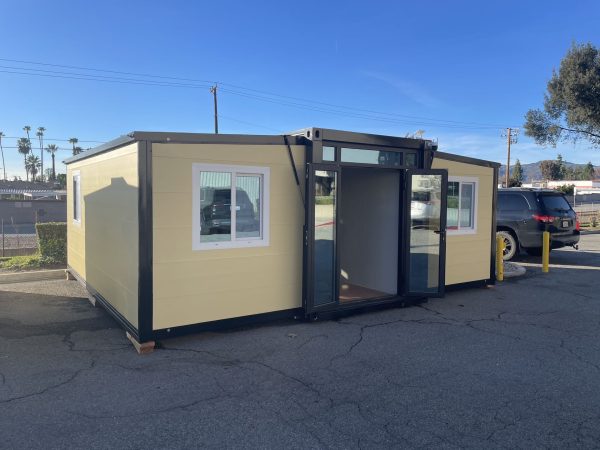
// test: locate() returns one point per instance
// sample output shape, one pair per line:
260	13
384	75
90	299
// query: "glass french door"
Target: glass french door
321	281
425	232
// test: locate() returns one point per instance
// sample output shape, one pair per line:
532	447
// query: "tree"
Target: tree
2	151
550	169
24	147
74	141
516	179
40	135
52	149
562	170
571	103
27	129
32	165
61	178
588	172
77	150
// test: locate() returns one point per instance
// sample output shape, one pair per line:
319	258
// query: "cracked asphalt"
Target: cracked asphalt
516	365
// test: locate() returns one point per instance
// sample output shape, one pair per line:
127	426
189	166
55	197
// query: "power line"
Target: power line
305	104
53	140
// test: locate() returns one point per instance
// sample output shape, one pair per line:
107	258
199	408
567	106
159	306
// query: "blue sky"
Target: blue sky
458	70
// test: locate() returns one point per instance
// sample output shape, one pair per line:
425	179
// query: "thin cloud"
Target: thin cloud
407	88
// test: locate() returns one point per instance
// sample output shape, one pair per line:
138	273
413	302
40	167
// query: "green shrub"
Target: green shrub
29	262
52	241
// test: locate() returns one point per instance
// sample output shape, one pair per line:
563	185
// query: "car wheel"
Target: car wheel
510	244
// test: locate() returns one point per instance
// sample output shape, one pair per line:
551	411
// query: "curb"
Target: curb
515	271
38	275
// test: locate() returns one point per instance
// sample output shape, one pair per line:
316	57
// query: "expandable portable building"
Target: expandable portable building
180	232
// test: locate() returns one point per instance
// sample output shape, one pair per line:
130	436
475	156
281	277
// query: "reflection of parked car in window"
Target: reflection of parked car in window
425	208
524	214
215	211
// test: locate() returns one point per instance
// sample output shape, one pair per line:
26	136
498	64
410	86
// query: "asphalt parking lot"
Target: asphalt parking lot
515	365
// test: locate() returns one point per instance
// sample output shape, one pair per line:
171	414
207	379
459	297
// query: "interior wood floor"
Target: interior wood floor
353	292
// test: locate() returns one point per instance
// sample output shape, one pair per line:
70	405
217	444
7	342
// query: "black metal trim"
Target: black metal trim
469	285
145	293
227	324
211	138
123	322
309	238
119	142
465	159
293	164
493	243
443	235
186	138
325	134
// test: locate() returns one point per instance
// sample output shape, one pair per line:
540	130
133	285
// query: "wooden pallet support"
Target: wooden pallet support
141	347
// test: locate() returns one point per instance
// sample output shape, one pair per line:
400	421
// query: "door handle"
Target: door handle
439	231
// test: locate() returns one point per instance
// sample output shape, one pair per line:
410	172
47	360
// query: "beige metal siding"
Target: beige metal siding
103	249
205	285
468	255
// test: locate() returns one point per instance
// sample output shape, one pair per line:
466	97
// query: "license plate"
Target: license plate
565	224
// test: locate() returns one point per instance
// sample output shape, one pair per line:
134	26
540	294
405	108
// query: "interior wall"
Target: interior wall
368	228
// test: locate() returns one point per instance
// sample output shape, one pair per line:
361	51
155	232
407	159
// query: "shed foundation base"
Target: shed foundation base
141	347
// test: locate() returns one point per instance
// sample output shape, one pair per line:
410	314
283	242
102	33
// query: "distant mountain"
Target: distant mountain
531	171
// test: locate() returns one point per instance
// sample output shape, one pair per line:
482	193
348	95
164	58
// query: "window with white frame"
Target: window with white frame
76	197
230	206
462	205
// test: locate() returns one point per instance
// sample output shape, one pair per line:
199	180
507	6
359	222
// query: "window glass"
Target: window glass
466	205
555	202
215	206
77	198
367	156
512	202
230	206
410	159
324	230
453	198
247	200
461	202
328	153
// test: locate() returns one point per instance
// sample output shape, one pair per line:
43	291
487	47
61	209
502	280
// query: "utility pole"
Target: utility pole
213	90
511	138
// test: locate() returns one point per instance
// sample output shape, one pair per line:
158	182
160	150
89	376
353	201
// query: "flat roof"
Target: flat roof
298	137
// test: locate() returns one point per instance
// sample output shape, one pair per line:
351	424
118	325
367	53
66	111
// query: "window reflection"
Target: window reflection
215	206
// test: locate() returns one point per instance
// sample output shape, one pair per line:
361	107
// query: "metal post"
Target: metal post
213	90
546	252
500	258
508	133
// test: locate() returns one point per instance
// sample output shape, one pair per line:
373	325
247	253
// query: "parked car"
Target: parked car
523	214
425	208
215	211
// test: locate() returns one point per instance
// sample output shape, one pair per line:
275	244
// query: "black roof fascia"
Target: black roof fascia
211	138
352	137
110	145
466	159
188	138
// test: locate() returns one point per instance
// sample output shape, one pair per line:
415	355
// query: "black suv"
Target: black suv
523	214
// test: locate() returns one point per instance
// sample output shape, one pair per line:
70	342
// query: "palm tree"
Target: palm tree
40	135
2	151
24	147
32	164
74	141
27	129
52	149
77	150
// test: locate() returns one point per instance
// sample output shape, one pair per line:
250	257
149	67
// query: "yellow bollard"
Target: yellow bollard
500	258
546	252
